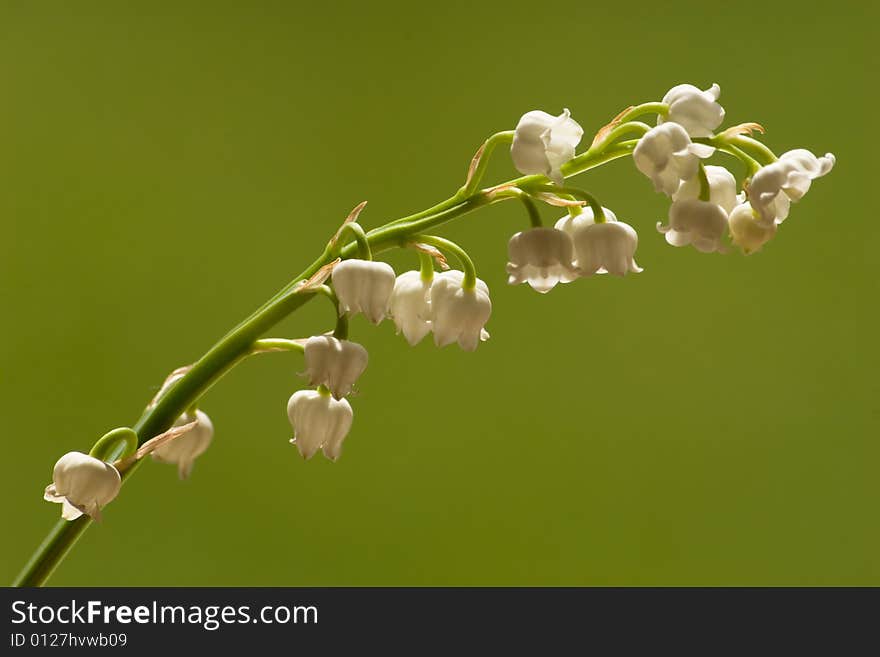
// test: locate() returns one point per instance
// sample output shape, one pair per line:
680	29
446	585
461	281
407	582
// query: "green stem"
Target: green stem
238	343
754	146
482	159
532	209
360	238
645	108
426	267
705	190
470	273
111	440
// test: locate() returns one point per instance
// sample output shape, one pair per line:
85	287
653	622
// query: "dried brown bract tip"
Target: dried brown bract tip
318	278
552	199
352	216
475	162
742	129
152	444
604	130
435	253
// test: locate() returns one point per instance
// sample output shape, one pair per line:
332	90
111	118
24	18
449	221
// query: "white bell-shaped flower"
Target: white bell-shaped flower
334	363
605	248
410	306
542	143
319	422
542	258
722	188
666	155
186	448
82	484
459	315
696	111
774	186
747	231
701	223
363	286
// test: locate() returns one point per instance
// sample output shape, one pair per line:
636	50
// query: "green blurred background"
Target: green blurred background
165	167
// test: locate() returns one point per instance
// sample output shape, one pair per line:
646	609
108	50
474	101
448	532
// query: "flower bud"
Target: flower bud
186	448
459	315
667	156
82	484
410	306
747	231
698	112
542	143
334	363
319	422
363	286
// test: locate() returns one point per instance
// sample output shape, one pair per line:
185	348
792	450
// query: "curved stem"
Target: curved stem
481	161
755	146
595	206
111	439
532	209
360	237
236	345
470	273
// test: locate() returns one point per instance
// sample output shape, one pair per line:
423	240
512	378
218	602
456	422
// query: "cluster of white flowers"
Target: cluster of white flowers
668	156
454	306
442	304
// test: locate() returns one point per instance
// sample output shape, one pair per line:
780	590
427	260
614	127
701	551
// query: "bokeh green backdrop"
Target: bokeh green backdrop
164	167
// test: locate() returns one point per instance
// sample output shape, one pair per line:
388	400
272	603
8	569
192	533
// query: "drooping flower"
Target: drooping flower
696	111
666	155
747	230
186	448
542	258
607	247
459	315
82	484
774	186
701	223
542	143
410	306
319	422
363	286
334	363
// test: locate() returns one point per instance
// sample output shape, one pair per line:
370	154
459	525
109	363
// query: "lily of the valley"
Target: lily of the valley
541	257
459	314
410	306
334	363
600	248
187	447
774	186
542	143
363	286
319	422
747	230
698	112
702	224
666	155
82	484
